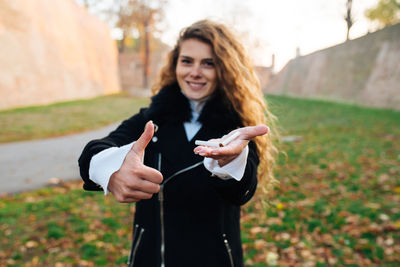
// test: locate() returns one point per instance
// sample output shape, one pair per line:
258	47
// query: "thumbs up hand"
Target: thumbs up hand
134	181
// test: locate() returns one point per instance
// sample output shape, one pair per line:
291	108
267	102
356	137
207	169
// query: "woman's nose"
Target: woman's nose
195	71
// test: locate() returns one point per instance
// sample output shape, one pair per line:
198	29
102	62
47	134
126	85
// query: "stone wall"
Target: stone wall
131	71
53	51
363	71
264	74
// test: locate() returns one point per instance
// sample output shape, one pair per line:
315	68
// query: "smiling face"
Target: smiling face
195	69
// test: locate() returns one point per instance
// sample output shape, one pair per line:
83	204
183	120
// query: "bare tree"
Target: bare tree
89	4
86	3
348	18
147	14
123	10
143	16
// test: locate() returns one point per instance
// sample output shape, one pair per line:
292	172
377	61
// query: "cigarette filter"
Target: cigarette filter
206	143
229	139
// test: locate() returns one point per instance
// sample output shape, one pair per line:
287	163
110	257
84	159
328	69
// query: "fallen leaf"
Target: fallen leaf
272	258
383	217
256	230
259	244
31	244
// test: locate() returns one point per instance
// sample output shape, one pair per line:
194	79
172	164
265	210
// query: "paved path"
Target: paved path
30	164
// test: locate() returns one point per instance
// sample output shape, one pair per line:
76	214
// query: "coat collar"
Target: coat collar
171	106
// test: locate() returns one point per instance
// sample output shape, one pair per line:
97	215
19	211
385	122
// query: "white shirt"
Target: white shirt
108	161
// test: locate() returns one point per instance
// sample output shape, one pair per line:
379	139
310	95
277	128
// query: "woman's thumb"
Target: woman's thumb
144	139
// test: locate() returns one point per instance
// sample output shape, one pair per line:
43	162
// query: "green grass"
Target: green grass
66	117
63	225
339	194
337	203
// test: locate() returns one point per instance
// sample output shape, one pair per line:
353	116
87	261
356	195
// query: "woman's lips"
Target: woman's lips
195	85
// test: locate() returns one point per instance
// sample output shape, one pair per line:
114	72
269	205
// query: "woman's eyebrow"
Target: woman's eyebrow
203	59
185	56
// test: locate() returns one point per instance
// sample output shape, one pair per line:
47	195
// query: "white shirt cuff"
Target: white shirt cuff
105	163
234	169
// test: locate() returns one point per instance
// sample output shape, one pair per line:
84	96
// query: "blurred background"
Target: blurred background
77	49
71	70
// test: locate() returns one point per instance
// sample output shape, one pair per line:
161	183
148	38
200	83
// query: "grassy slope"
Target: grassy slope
339	188
337	202
66	117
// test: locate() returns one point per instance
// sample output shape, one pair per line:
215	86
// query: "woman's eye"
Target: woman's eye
185	61
209	64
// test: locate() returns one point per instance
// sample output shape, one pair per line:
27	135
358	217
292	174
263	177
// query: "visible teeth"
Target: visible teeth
196	85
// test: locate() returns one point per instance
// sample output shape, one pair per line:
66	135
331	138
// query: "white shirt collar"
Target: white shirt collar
196	106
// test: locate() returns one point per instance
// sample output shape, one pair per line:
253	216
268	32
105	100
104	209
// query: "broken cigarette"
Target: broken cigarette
206	143
215	144
229	139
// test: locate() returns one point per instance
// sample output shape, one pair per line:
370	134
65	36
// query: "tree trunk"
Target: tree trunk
121	45
348	18
146	61
347	33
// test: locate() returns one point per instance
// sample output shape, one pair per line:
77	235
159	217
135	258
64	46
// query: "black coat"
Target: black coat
195	219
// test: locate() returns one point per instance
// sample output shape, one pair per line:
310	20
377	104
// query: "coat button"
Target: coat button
154	139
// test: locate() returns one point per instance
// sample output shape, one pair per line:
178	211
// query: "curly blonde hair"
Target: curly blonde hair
239	84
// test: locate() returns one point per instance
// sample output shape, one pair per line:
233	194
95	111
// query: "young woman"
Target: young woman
188	197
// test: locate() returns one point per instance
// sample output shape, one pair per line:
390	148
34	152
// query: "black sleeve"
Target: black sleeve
129	131
239	192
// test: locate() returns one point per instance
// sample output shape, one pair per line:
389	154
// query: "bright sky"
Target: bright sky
279	25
